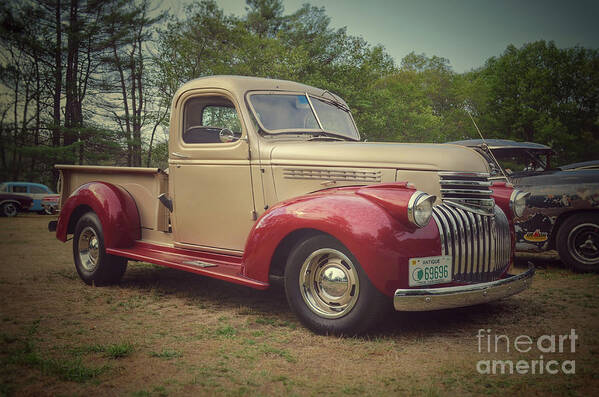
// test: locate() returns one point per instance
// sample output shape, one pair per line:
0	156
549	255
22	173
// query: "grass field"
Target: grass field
164	332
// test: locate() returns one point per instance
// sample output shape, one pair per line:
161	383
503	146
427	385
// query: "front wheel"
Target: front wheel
92	262
578	242
328	289
9	209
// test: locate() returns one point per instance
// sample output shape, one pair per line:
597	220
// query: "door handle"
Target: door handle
179	155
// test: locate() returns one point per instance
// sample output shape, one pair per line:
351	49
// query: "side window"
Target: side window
210	119
37	190
19	189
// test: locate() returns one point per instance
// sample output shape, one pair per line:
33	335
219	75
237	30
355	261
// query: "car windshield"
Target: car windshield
521	160
302	113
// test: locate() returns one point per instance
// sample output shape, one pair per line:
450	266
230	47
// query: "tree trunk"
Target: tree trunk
57	79
70	120
125	103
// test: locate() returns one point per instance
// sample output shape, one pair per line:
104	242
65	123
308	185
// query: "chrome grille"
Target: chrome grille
333	174
480	246
467	190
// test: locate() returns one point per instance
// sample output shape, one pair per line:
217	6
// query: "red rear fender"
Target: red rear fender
114	206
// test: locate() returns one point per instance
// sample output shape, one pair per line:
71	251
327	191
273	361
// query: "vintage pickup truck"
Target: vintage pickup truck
268	181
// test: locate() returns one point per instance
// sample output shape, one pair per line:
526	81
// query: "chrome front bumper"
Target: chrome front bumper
416	300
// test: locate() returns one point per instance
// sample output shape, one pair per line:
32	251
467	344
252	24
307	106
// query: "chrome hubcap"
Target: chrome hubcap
583	243
329	283
89	249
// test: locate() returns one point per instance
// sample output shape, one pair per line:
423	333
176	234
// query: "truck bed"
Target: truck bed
144	185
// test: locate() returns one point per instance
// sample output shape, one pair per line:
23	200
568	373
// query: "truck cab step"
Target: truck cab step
219	266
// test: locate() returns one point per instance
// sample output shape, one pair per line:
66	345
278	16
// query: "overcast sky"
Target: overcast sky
466	32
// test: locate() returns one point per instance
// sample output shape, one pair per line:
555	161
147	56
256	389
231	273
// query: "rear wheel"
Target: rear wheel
578	242
9	209
328	289
92	262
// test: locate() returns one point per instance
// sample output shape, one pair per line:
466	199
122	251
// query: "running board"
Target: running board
219	266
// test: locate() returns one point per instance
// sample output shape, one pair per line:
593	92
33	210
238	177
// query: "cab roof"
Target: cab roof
240	85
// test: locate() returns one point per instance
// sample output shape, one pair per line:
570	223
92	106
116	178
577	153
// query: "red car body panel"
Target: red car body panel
380	242
115	208
501	194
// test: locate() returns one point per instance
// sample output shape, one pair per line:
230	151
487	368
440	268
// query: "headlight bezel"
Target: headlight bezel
417	200
518	202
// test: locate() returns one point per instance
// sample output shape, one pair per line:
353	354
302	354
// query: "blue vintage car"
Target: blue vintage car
562	211
36	191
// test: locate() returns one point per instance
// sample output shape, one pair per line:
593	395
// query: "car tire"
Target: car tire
9	209
578	242
92	262
341	301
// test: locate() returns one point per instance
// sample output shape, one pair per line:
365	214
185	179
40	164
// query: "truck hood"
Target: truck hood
405	156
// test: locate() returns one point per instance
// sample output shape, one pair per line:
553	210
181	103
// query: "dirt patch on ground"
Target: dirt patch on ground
164	332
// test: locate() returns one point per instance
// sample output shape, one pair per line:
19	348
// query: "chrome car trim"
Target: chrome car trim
468	191
482	206
465	174
464	295
329	283
513	197
417	198
88	249
480	246
332	174
466	182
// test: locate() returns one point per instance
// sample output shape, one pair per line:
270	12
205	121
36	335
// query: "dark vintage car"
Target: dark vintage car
11	204
562	211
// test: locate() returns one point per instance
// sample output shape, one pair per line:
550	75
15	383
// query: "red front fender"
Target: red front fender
381	243
115	208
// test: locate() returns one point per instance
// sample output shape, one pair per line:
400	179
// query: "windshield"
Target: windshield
521	160
301	113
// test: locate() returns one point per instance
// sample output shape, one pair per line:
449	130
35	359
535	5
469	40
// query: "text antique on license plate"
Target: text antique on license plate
429	270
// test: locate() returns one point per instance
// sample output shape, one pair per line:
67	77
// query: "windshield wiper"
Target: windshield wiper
329	135
325	138
333	101
318	135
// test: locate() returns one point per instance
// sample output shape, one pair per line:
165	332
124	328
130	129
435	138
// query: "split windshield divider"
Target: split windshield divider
314	111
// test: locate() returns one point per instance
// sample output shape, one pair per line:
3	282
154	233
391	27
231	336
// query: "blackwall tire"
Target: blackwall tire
9	209
578	242
329	291
92	262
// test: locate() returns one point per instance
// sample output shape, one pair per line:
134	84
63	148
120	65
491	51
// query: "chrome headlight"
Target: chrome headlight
518	202
420	208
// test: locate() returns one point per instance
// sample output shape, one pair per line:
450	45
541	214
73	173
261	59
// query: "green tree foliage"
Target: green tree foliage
423	101
301	46
544	94
79	85
55	60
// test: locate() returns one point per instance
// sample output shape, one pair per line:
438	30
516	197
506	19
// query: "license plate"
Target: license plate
429	270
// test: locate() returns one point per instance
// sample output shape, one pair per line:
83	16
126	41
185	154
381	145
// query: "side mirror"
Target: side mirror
226	135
